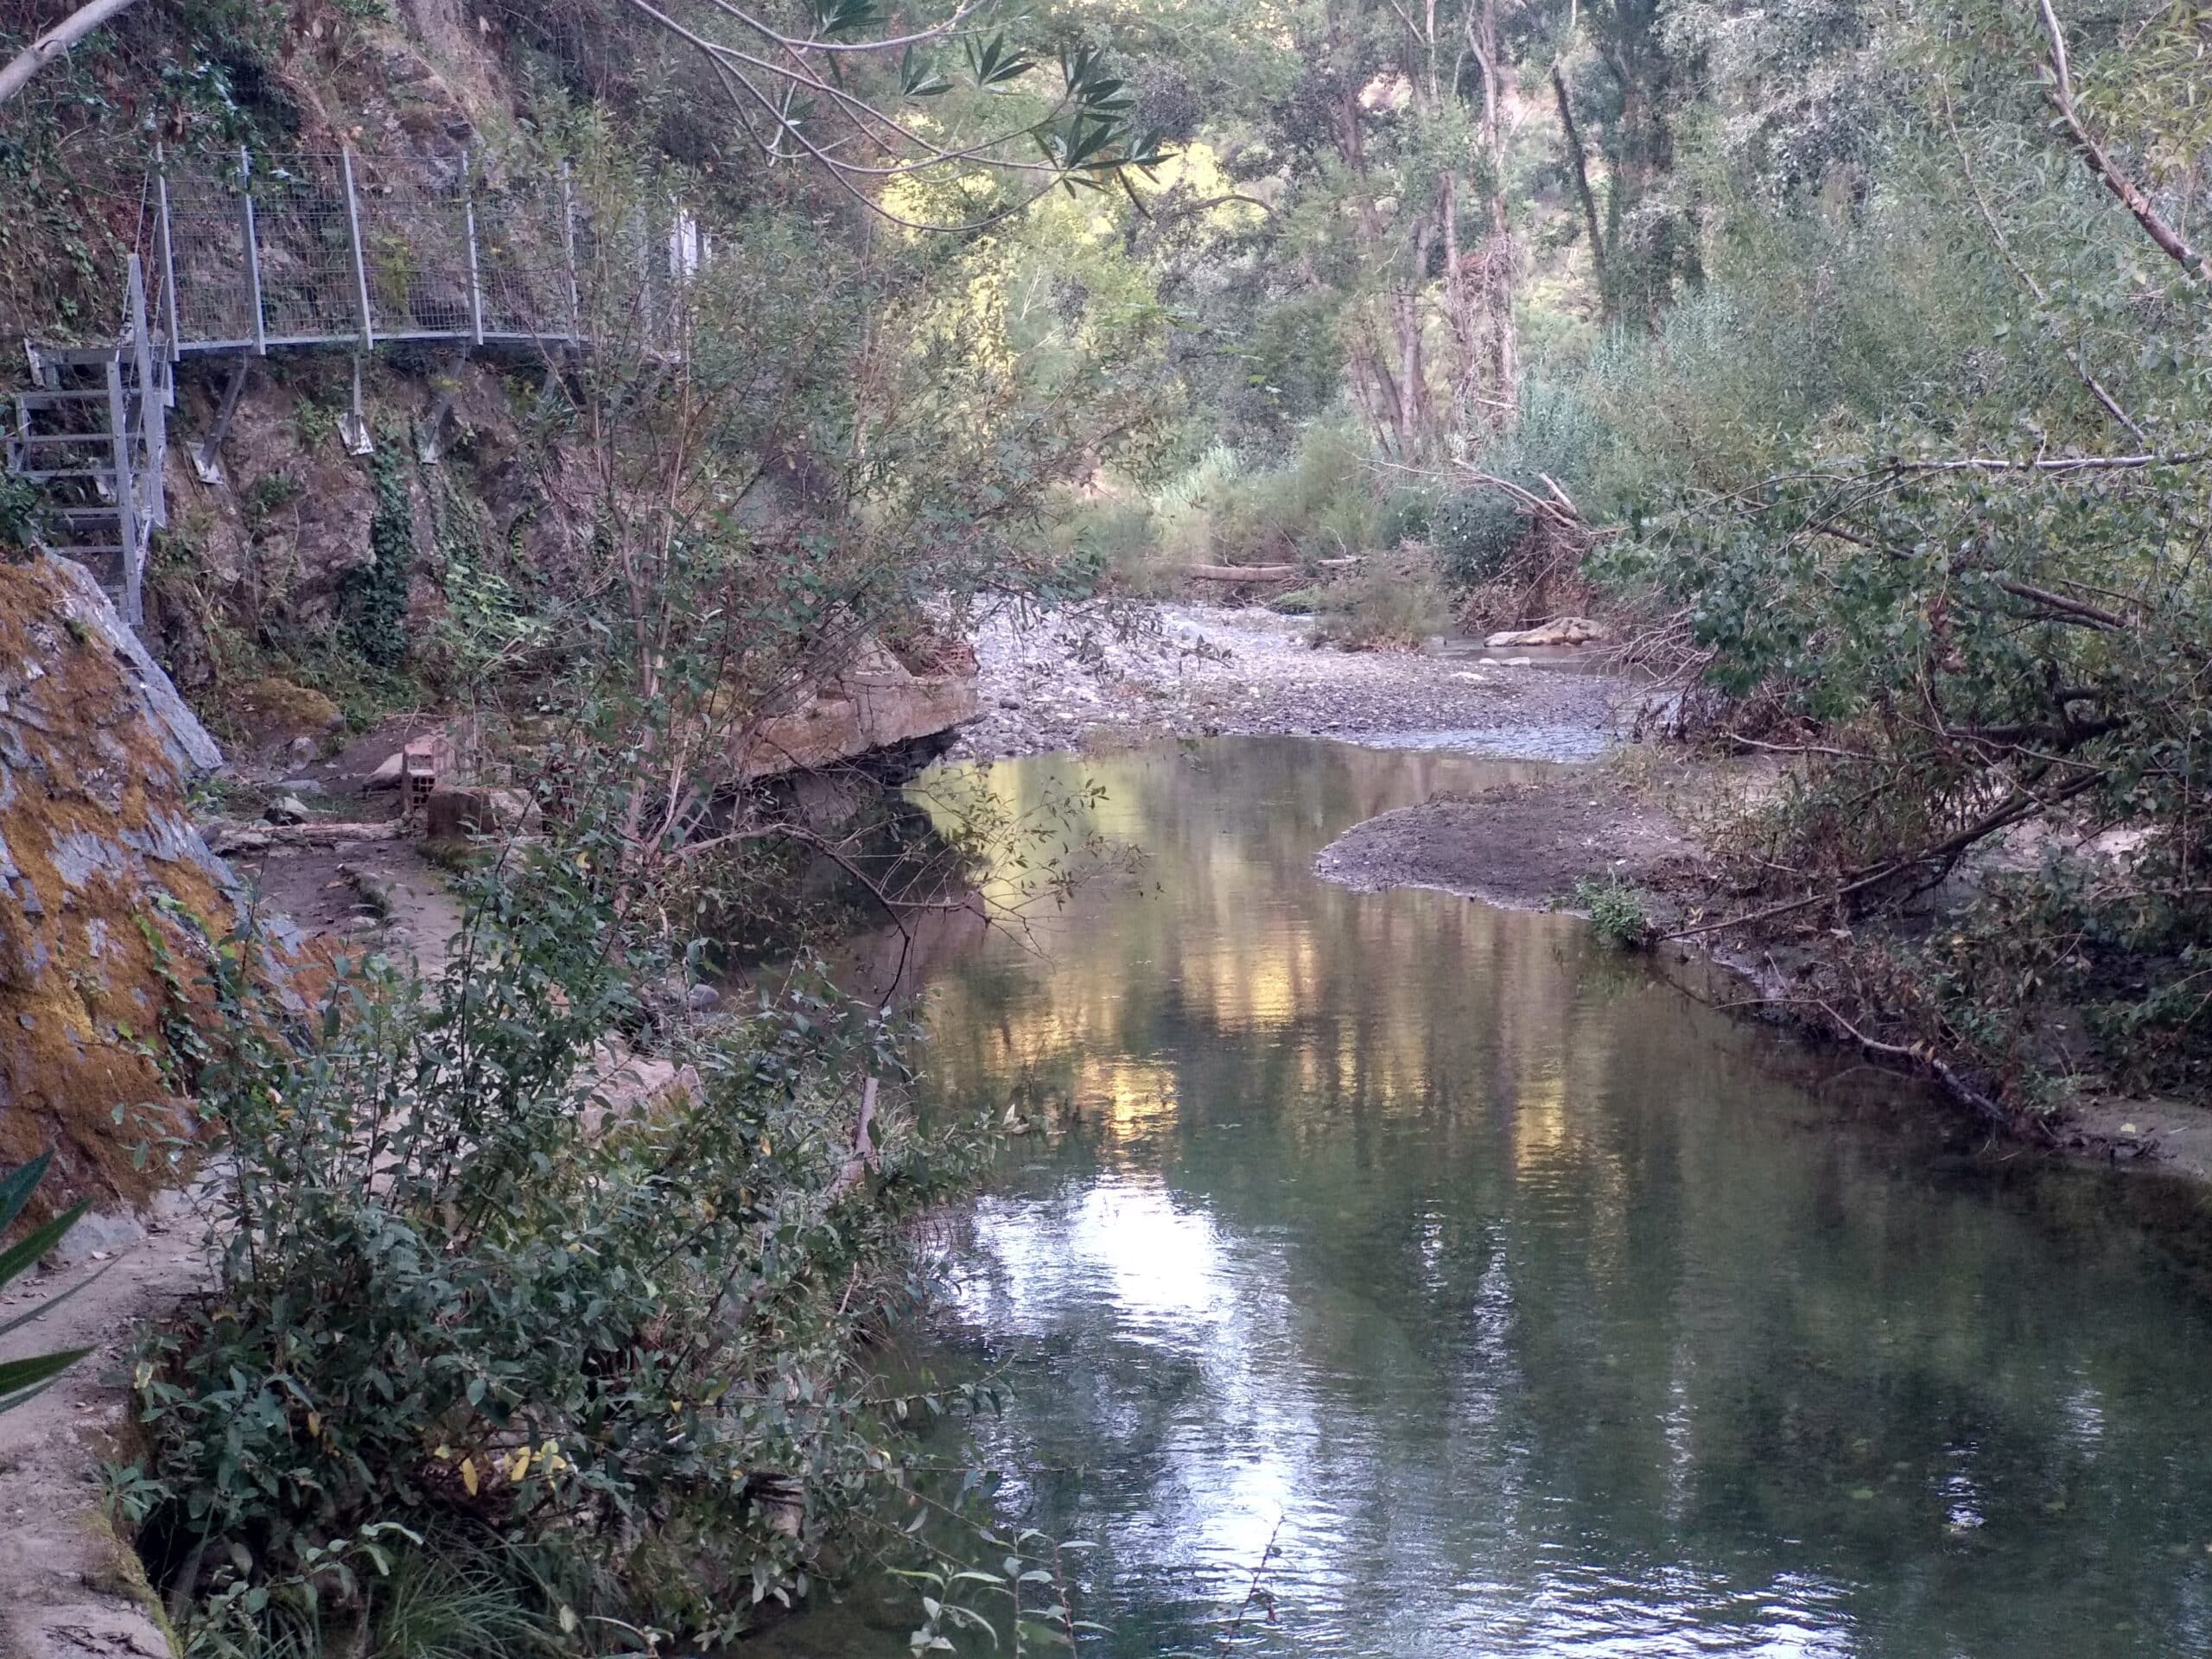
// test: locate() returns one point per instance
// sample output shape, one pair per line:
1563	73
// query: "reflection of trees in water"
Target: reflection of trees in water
854	862
1523	1268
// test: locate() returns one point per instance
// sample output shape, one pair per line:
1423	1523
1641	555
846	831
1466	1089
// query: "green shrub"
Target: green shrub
373	598
1616	911
464	1287
19	512
21	1378
1398	601
1474	533
1112	542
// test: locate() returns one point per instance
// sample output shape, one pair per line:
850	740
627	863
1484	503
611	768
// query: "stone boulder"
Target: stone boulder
875	702
1563	631
456	811
97	849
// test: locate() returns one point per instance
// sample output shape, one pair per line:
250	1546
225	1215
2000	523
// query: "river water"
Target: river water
1502	1299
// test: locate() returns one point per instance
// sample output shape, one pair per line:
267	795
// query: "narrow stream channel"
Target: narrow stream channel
1529	1306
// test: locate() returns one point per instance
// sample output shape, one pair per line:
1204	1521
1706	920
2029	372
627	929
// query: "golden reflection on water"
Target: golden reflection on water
1538	1311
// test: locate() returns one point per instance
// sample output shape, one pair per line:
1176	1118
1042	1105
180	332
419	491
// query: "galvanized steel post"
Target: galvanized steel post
126	505
468	219
360	262
168	254
253	253
568	253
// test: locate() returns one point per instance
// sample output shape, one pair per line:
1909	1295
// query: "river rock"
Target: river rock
1565	631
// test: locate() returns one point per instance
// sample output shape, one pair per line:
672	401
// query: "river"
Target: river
1523	1305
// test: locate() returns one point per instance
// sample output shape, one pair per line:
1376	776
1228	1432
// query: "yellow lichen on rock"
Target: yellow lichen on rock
102	871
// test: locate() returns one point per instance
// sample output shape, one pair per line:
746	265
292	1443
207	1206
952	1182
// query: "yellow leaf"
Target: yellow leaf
315	1425
468	1475
519	1465
143	1377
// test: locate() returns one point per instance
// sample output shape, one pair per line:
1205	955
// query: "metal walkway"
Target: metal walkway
246	257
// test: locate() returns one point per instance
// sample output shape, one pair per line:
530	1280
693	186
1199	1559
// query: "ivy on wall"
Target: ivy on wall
372	599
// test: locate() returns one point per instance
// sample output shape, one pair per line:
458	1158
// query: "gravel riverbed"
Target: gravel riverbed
1131	672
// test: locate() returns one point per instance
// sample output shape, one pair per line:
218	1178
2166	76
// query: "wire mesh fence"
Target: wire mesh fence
310	248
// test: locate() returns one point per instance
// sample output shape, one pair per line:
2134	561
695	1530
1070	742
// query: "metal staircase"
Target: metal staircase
90	433
311	252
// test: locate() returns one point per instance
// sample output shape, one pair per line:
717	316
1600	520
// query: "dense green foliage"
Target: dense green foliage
1945	529
1801	337
474	1284
373	598
1857	357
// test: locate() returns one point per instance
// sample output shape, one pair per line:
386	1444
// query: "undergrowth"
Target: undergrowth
469	1290
1619	915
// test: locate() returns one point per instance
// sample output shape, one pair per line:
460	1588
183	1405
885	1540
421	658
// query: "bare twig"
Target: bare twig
55	41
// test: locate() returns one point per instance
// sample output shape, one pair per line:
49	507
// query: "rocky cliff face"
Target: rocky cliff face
103	873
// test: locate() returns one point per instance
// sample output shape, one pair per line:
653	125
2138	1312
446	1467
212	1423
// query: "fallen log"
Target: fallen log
1264	572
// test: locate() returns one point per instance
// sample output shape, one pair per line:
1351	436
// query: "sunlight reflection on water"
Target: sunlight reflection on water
1526	1306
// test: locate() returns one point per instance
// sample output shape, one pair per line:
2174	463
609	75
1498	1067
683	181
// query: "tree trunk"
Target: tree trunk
1580	163
56	40
1498	261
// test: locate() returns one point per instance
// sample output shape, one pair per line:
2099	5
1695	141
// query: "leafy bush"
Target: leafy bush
374	596
1396	602
1616	911
466	1287
1474	533
19	511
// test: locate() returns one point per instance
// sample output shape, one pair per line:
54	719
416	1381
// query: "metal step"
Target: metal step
46	398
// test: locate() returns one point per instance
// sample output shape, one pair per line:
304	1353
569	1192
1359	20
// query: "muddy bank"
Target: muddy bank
1130	672
1523	846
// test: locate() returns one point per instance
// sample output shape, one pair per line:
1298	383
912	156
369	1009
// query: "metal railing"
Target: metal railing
239	257
91	432
336	249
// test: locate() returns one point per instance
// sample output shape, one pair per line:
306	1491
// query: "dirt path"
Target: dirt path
69	1588
1093	672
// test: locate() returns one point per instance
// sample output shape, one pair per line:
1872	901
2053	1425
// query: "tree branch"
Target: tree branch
2059	90
56	40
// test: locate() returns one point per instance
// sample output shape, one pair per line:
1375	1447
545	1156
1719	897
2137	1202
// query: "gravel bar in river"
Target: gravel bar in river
1127	671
